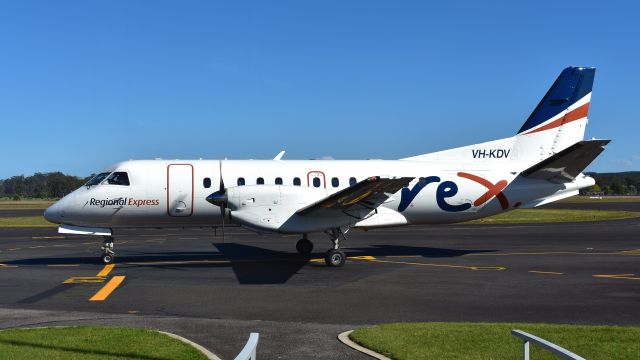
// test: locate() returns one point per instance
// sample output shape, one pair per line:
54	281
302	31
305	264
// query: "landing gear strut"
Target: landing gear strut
304	246
335	257
108	255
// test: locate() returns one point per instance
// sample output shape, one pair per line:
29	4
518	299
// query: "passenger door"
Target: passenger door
180	190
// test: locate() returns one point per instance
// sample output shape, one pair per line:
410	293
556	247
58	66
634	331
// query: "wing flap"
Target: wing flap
368	193
567	164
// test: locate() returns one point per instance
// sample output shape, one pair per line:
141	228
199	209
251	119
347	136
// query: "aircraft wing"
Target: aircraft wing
366	195
568	163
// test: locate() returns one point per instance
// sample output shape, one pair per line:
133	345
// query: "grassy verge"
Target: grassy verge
25	221
494	341
25	204
524	216
86	342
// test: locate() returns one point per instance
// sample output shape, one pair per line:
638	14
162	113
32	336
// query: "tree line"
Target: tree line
51	185
622	183
55	185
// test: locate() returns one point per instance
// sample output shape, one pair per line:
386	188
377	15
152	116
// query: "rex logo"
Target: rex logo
447	189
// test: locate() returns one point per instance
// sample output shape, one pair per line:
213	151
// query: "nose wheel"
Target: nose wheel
108	255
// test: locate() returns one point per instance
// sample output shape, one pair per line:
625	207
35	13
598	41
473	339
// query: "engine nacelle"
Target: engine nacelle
268	207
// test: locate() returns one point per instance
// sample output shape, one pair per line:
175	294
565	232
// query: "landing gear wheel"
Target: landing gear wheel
107	258
304	247
335	258
108	255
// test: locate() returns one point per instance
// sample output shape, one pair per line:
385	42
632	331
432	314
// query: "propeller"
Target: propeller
219	198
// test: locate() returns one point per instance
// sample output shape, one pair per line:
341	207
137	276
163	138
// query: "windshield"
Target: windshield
97	179
118	178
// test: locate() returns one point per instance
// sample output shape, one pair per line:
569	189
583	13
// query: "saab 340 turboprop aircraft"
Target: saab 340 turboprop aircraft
542	163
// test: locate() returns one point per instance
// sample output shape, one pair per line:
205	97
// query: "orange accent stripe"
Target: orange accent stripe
573	115
108	288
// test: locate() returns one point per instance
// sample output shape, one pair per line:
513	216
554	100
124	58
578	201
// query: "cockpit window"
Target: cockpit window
97	179
118	178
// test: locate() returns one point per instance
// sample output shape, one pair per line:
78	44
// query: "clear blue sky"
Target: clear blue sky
84	84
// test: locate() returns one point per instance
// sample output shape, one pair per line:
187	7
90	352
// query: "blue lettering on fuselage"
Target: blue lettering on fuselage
445	190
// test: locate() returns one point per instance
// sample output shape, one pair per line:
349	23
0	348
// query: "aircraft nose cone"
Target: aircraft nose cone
52	214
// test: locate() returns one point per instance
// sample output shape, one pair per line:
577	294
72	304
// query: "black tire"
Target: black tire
304	247
335	258
107	258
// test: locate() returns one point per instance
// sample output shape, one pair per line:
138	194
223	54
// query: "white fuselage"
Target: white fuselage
164	193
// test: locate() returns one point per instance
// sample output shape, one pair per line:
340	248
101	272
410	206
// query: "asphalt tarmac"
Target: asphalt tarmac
216	293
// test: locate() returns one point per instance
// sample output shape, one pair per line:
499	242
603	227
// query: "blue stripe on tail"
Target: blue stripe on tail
572	85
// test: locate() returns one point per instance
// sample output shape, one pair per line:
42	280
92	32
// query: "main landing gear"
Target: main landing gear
108	255
335	257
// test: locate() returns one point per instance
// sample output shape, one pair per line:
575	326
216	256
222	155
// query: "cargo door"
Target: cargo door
180	190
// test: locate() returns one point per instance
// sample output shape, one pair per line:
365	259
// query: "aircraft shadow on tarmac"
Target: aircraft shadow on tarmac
252	265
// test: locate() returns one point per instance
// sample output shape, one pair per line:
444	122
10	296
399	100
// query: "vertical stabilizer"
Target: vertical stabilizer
560	118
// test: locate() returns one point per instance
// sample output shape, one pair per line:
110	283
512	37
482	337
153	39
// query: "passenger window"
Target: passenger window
352	181
118	178
260	181
296	181
335	182
240	181
316	182
97	179
278	181
206	182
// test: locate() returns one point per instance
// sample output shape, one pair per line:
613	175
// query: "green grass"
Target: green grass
88	342
605	199
25	221
33	204
524	216
488	341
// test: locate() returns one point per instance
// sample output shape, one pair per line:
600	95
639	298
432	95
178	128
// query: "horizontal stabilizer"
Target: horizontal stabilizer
567	164
368	193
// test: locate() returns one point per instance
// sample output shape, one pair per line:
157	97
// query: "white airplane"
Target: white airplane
540	164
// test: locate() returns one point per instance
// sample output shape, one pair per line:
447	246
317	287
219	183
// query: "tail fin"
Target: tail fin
560	118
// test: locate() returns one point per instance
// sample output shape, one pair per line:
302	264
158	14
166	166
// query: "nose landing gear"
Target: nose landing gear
108	255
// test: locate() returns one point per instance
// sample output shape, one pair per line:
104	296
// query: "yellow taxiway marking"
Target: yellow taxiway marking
619	276
373	259
623	252
364	257
47	237
89	279
474	268
84	279
108	288
106	270
13	249
546	272
7	266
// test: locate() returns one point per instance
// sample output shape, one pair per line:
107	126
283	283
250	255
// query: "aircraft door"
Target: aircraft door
316	179
180	190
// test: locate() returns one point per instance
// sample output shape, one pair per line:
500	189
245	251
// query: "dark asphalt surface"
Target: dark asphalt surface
191	283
